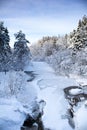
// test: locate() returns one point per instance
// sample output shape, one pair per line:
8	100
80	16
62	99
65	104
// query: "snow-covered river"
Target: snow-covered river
45	85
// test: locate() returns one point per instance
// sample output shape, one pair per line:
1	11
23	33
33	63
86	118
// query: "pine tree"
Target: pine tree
5	50
78	38
21	53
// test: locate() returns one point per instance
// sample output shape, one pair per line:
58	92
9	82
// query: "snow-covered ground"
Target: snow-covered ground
81	117
16	98
46	85
11	114
50	88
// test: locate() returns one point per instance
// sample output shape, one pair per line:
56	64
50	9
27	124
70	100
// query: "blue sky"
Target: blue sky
38	18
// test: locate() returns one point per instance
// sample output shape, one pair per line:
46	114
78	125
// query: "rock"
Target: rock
35	118
27	128
29	121
74	95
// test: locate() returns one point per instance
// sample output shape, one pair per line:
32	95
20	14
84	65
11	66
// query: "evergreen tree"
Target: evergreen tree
5	50
78	38
21	53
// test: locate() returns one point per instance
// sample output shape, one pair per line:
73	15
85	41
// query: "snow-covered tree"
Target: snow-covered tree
5	50
78	38
21	55
45	47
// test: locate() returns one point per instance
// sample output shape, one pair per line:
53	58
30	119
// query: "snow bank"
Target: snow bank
81	117
11	114
17	97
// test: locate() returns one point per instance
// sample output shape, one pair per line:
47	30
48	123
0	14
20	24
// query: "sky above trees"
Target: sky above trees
37	18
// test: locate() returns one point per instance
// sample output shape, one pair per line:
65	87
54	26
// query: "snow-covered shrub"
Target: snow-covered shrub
14	82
